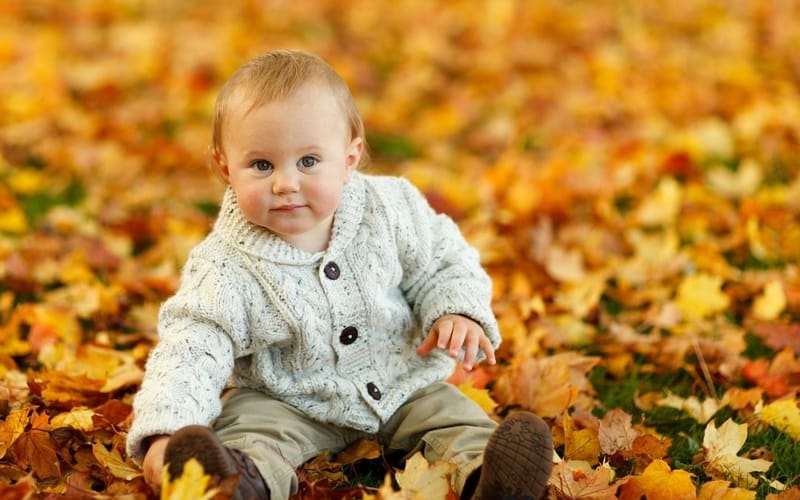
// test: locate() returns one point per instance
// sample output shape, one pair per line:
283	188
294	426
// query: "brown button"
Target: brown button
374	391
348	335
331	270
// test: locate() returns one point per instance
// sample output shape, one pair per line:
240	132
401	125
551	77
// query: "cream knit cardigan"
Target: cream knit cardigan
332	333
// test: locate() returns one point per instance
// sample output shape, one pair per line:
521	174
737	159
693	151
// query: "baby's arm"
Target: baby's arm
453	332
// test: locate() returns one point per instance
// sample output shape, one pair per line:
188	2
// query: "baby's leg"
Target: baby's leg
445	425
276	436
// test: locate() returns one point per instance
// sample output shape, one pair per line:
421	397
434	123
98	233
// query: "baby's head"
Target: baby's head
274	76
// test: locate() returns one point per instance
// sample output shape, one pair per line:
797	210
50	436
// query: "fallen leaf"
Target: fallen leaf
659	482
771	303
616	433
784	416
12	428
480	396
722	446
35	449
114	463
580	444
567	483
192	483
699	295
423	481
700	411
721	490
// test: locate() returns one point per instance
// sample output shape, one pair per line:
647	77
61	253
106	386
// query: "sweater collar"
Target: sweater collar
233	227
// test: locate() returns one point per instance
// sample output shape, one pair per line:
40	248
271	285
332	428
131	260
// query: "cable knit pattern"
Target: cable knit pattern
254	311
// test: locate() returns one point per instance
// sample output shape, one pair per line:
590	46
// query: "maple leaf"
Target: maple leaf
77	418
36	449
568	483
480	396
580	444
784	416
423	481
721	490
659	482
12	427
549	386
771	303
192	483
361	449
700	411
616	433
114	462
699	296
722	446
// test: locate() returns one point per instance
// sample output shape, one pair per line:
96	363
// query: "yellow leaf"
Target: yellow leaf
114	463
784	416
580	444
12	220
27	181
480	396
12	427
702	412
663	207
423	481
700	295
192	483
722	446
77	418
580	297
659	482
771	303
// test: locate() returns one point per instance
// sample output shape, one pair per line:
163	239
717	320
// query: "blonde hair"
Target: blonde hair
274	76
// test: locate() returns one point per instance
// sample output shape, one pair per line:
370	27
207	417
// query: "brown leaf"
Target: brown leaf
777	335
567	483
36	450
616	433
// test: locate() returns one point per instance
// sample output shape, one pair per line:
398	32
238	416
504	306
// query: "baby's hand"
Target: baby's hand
453	332
154	463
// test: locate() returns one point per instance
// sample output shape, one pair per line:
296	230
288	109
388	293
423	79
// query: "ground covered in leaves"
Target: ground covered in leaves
629	170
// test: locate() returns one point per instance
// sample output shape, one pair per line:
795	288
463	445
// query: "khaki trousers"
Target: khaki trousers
438	420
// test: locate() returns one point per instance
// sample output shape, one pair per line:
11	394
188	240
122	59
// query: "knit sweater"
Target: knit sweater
332	333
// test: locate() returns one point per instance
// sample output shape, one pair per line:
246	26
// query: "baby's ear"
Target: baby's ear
218	163
354	151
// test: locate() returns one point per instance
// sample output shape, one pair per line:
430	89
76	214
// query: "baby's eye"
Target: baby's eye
262	165
307	161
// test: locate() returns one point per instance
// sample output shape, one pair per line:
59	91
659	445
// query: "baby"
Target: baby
326	305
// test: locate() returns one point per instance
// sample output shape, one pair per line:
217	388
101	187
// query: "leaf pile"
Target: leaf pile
630	172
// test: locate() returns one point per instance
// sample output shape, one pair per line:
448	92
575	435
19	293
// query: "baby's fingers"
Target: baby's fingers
428	344
486	346
470	352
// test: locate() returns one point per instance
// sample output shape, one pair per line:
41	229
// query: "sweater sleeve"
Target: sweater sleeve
193	359
442	273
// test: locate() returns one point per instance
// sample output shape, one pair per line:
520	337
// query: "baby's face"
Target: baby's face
288	162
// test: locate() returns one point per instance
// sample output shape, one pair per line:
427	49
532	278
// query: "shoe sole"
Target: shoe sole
519	453
200	443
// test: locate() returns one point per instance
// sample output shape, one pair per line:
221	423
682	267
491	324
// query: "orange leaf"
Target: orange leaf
659	482
721	490
12	427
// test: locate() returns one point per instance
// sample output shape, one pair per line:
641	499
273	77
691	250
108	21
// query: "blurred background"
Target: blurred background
624	167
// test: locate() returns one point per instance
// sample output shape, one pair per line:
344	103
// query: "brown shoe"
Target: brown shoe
219	462
517	461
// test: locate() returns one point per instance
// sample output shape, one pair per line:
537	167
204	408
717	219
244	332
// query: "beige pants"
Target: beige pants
438	420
